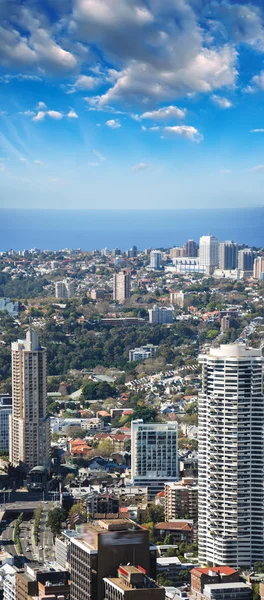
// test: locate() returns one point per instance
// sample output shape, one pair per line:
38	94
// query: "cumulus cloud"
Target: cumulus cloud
84	82
27	113
221	102
139	167
242	23
185	131
113	123
258	80
54	114
72	114
163	114
39	116
257	169
41	106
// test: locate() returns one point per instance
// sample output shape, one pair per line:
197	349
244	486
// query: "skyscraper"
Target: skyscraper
154	454
228	255
231	460
160	314
30	428
121	286
64	289
209	252
190	248
155	259
246	259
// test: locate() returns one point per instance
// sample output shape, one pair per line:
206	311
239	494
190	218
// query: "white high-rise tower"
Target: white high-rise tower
30	427
209	252
231	460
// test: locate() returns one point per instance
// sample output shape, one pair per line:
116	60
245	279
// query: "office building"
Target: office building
158	315
246	259
142	353
132	583
231	461
190	248
99	551
64	289
155	259
258	267
30	428
5	415
154	454
181	499
121	287
209	252
63	548
228	256
39	583
177	299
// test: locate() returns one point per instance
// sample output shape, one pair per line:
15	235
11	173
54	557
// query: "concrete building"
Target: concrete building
246	259
5	415
181	499
258	267
64	289
154	454
121	287
225	323
155	259
177	299
231	460
159	315
228	591
186	265
99	551
102	503
12	308
30	428
63	548
190	248
8	582
39	583
202	577
209	252
176	252
170	567
132	583
228	255
142	353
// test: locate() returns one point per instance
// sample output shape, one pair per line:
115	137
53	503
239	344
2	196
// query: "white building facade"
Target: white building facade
155	259
158	315
121	286
231	461
209	252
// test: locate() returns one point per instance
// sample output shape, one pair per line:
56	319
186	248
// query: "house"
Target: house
201	577
181	531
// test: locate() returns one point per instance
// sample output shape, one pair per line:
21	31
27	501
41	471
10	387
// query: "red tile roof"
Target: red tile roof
199	571
174	526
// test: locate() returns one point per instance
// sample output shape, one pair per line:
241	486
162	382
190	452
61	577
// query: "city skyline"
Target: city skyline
88	116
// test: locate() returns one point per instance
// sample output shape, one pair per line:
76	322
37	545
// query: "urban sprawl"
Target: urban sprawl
131	423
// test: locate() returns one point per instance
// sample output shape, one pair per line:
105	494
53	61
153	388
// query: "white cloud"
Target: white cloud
54	114
154	128
140	167
98	155
113	123
257	131
24	160
221	102
93	164
84	82
225	171
164	114
72	114
27	113
41	106
38	162
39	116
258	80
186	131
257	169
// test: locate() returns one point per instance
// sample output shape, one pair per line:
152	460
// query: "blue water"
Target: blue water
57	229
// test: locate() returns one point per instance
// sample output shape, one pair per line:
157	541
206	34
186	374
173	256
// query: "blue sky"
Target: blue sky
131	103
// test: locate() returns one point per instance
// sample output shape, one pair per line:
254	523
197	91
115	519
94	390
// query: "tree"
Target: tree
154	513
105	447
55	519
76	432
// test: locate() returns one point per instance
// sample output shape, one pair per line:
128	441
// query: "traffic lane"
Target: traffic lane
7	539
25	540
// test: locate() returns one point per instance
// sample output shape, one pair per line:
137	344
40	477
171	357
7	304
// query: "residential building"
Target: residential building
8	582
180	530
225	323
39	583
132	583
63	548
99	551
209	252
231	460
158	315
5	415
30	428
246	259
64	289
132	495
155	259
228	255
177	299
12	308
121	286
176	252
142	353
190	248
181	499
102	503
201	577
154	454
258	267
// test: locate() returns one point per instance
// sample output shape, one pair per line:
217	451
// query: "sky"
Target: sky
131	104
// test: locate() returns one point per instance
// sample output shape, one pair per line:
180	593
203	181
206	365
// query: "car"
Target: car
27	549
40	548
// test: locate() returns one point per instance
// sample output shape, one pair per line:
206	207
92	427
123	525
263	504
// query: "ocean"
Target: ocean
97	229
